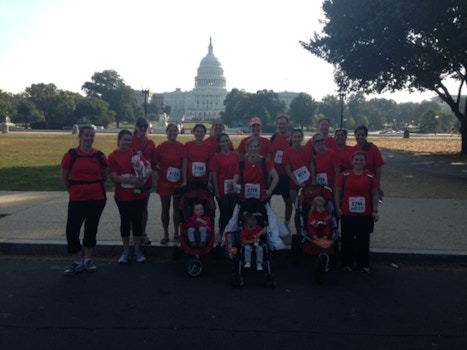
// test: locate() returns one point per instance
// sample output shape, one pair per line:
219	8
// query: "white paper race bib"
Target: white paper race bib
252	191
127	185
278	157
228	186
173	174
357	205
198	169
322	179
302	174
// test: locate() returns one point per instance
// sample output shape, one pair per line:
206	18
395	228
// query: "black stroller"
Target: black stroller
236	250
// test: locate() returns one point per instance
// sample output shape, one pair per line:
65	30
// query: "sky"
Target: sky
158	44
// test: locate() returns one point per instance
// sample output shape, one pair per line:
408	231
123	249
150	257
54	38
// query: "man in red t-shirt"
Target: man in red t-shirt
264	144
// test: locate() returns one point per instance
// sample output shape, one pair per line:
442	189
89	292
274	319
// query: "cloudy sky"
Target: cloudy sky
158	45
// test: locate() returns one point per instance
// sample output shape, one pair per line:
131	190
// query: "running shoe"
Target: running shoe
74	268
124	258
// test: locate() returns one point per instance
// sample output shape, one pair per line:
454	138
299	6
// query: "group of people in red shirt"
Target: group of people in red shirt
287	165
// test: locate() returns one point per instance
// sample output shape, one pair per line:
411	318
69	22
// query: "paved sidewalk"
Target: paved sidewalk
34	223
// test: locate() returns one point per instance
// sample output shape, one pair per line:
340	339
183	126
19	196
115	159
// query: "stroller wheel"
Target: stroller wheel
236	281
269	281
319	269
194	267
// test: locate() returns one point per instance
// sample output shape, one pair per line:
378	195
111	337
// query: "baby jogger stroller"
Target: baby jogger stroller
321	248
190	196
236	250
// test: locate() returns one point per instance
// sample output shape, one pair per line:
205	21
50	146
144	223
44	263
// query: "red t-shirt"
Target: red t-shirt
254	180
169	157
225	165
374	159
356	197
299	161
264	146
278	144
191	222
212	141
120	164
248	235
324	228
145	148
88	169
345	157
198	159
325	168
329	141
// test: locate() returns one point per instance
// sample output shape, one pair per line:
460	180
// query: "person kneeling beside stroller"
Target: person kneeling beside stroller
250	238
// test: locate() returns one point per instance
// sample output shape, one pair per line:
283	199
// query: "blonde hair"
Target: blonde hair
318	200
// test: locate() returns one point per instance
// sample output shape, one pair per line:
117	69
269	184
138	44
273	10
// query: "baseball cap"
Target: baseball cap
255	120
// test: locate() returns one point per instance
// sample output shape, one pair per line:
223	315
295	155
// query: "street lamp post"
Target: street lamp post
145	93
342	96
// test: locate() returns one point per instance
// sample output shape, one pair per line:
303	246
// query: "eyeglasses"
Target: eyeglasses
143	126
319	141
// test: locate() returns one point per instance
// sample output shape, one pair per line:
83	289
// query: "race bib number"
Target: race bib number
322	179
302	174
278	157
252	191
228	186
198	169
127	185
173	174
357	205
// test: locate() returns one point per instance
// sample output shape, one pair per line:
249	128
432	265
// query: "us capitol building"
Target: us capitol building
206	101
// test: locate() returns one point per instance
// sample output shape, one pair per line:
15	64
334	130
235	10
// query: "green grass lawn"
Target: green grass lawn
31	161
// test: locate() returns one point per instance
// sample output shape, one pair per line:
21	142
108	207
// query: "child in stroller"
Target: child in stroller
196	203
198	223
318	235
254	211
250	237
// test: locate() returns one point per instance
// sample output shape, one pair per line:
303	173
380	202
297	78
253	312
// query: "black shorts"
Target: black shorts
282	187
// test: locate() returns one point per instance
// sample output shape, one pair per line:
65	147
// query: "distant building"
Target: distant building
206	100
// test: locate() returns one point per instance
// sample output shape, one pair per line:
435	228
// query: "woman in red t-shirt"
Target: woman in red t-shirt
168	162
326	162
222	168
299	165
198	157
145	147
356	200
343	151
129	198
254	183
374	159
83	173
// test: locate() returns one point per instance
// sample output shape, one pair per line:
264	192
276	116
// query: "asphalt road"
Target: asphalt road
157	306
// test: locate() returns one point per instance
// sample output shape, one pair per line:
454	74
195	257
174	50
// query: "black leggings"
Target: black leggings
131	216
226	208
355	236
88	212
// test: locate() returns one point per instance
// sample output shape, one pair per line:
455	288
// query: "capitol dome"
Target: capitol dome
210	72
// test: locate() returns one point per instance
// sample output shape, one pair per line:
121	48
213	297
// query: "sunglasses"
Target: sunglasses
319	141
143	126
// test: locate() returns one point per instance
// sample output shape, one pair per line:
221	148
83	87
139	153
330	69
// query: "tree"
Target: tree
301	110
95	110
111	88
429	122
44	97
389	45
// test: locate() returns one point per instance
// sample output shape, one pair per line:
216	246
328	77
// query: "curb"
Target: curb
171	250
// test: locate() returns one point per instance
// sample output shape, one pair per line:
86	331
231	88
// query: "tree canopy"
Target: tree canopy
389	45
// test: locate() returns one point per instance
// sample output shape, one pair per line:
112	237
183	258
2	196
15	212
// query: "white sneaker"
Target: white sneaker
247	265
140	258
259	267
124	257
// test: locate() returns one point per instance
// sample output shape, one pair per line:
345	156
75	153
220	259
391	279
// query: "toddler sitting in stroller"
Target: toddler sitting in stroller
250	238
198	222
319	224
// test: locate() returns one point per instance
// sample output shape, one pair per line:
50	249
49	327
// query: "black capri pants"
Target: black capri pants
131	216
